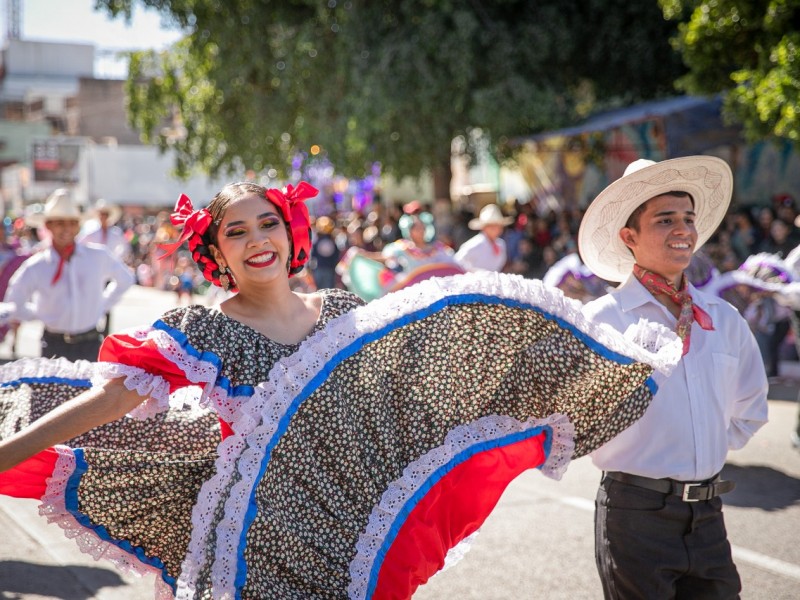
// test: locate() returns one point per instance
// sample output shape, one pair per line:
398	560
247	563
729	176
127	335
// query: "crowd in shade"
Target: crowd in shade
754	239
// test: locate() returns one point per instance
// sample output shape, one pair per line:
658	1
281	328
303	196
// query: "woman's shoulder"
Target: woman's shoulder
338	301
208	329
191	312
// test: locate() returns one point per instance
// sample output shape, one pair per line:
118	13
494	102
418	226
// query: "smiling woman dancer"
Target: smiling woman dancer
359	443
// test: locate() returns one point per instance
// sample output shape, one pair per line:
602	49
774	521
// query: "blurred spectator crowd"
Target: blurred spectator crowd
534	243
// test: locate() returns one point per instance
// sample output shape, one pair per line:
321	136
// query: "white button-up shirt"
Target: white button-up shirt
715	400
478	254
112	238
91	282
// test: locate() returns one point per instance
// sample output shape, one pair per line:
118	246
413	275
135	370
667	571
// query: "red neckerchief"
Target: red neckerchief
63	256
495	245
656	284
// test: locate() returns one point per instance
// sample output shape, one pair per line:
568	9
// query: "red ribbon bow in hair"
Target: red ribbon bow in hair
292	206
193	222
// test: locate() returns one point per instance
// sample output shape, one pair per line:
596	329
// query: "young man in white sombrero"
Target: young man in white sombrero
66	286
485	251
102	230
659	530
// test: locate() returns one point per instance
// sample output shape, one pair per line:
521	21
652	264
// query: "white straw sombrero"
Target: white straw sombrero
59	205
489	215
706	178
113	211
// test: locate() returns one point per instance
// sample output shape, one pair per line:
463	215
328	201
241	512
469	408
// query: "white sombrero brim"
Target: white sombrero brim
114	212
36	220
477	224
708	179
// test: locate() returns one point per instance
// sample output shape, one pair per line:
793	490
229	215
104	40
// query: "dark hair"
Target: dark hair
633	220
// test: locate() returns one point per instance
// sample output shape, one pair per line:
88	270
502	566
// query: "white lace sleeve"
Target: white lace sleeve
154	388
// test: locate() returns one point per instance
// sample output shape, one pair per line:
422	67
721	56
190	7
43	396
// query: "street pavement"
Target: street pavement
537	544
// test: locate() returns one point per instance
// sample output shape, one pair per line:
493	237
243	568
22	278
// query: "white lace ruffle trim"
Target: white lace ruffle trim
202	373
394	505
154	388
54	509
256	428
36	368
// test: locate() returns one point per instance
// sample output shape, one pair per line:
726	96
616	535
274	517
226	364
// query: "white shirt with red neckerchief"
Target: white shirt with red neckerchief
112	238
91	282
479	253
714	401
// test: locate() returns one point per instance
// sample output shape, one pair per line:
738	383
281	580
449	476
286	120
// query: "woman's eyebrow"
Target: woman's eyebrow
261	216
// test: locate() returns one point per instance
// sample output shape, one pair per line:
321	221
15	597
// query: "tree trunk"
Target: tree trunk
441	181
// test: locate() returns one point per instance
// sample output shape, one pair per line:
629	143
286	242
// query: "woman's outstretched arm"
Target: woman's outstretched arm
95	407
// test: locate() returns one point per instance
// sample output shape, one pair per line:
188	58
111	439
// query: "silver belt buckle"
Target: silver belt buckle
686	488
68	338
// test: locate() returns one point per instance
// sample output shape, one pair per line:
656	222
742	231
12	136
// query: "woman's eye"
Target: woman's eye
234	232
269	224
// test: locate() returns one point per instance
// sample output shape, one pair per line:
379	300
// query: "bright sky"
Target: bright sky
77	21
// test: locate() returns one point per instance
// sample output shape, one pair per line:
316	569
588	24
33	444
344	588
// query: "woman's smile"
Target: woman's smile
262	259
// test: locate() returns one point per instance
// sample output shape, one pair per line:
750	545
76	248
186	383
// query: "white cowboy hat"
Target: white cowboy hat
102	205
489	215
706	178
59	206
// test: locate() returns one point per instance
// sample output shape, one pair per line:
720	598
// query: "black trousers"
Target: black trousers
794	319
87	346
656	546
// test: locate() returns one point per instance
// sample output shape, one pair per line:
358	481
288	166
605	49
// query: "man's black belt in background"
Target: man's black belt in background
688	491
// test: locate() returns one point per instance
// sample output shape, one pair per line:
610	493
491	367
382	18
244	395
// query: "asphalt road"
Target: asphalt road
536	544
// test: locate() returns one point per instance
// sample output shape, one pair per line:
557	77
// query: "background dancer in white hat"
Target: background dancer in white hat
659	529
67	286
102	229
485	251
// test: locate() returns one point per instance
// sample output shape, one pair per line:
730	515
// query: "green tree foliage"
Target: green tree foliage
749	50
254	82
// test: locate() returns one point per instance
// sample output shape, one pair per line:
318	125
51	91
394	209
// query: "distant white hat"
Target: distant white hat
706	178
489	215
114	212
59	205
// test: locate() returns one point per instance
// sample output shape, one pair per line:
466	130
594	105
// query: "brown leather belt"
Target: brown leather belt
688	491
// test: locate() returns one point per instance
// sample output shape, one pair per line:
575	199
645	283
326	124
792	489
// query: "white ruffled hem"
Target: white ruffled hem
416	476
54	509
157	389
153	388
33	368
